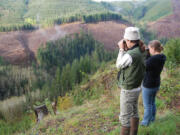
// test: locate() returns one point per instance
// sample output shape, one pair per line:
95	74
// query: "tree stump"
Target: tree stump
54	106
40	112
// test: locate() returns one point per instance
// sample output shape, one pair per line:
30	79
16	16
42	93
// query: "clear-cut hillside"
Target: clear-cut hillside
19	47
168	27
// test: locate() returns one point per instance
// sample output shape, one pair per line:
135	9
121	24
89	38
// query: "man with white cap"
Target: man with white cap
130	63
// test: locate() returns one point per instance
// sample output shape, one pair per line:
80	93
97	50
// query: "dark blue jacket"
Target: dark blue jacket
154	67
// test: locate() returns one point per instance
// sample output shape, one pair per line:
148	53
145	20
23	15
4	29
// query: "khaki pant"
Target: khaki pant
128	106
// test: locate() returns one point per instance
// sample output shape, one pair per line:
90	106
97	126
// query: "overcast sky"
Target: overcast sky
115	0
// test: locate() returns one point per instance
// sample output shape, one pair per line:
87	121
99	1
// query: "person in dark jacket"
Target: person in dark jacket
151	82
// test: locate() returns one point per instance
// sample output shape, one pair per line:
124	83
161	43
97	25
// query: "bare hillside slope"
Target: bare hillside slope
21	47
169	26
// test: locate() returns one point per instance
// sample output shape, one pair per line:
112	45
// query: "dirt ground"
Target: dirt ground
170	25
21	46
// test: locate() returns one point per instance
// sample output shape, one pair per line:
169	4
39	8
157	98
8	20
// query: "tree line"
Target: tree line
17	27
102	17
92	18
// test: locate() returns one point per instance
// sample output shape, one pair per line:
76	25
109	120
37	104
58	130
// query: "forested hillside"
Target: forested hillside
25	14
60	67
80	53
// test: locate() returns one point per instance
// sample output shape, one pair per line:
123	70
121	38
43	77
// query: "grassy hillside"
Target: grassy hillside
157	9
149	10
44	11
99	111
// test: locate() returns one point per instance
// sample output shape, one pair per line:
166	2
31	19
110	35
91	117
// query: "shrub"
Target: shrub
12	108
64	103
172	49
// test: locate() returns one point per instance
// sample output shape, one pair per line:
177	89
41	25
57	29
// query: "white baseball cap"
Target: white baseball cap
132	33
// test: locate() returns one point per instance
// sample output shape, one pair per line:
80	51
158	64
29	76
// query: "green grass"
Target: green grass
99	115
165	125
20	125
168	124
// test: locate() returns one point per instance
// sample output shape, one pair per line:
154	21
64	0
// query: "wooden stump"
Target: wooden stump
41	112
54	106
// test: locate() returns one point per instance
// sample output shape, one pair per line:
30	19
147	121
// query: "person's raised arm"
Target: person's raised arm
123	59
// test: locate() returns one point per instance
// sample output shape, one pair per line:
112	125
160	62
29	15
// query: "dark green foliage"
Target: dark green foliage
101	17
64	51
66	79
56	84
68	19
172	49
70	60
2	61
91	18
17	27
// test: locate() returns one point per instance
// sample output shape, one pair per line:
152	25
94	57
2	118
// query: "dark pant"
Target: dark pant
149	95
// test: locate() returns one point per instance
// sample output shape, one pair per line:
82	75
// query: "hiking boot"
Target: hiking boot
125	130
134	126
